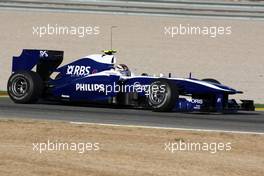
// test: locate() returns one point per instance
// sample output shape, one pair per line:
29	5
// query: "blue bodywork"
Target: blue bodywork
87	80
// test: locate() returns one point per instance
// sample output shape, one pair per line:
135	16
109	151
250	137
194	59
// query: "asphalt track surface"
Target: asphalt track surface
217	9
243	121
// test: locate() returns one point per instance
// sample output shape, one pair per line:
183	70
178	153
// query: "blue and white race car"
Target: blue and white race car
97	79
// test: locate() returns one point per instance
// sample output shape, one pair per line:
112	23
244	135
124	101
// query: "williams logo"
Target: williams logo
77	70
43	54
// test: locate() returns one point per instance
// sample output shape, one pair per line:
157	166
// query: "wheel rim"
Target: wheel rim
19	86
158	96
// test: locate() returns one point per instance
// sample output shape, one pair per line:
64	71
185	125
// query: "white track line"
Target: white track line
167	128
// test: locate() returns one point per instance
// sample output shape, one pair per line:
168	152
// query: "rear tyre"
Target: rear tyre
163	95
211	80
25	87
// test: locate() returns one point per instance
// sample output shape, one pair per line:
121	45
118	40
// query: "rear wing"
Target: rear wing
46	61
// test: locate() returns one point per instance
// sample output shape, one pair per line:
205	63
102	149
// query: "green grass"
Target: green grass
259	105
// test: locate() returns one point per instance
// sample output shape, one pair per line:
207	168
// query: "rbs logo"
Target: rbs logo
77	70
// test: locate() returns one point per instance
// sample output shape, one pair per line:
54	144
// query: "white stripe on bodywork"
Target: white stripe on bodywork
201	83
105	59
105	73
114	72
184	79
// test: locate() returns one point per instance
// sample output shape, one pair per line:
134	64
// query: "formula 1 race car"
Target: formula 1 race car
97	79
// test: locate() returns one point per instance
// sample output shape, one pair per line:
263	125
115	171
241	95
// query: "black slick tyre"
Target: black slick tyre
25	87
163	95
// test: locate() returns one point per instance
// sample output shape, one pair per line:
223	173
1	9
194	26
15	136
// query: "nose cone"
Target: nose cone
228	89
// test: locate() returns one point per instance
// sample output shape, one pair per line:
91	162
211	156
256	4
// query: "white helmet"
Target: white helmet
123	69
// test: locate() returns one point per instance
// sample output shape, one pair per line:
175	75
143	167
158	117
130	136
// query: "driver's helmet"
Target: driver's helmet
123	69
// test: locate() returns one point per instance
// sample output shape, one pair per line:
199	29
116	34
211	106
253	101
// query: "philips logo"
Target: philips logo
78	70
90	87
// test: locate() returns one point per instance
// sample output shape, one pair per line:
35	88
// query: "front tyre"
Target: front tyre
163	95
25	87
